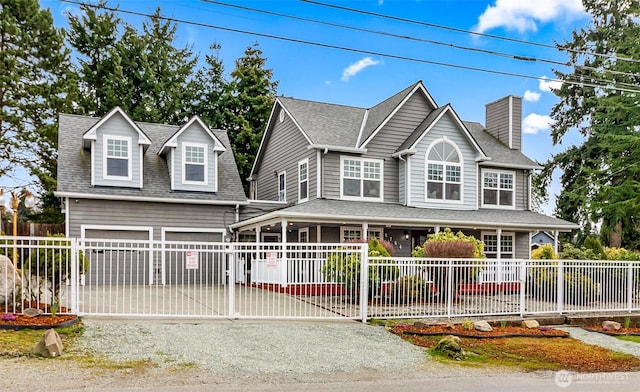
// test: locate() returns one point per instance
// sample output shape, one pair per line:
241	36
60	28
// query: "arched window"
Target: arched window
444	171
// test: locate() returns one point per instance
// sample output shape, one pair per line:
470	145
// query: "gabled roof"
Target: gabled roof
173	140
325	123
90	134
499	154
430	121
378	115
74	167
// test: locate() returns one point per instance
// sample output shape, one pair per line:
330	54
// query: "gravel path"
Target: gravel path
603	340
261	351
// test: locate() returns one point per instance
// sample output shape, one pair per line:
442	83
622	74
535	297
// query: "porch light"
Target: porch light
406	235
29	202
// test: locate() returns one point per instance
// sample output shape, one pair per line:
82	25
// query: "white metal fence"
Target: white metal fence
298	281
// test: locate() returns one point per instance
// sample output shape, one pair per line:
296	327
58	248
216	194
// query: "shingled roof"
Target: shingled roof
74	168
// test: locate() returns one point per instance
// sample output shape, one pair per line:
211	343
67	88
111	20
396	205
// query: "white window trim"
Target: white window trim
502	235
361	198
205	147
303	162
105	176
284	191
359	229
444	172
303	230
165	230
498	206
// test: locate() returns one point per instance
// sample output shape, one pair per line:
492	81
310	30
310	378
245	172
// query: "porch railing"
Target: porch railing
298	281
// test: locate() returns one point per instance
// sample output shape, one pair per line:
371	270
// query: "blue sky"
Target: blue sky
381	66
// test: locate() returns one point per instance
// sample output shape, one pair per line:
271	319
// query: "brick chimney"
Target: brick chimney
504	121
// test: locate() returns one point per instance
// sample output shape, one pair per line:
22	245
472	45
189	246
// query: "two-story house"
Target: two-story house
399	171
129	180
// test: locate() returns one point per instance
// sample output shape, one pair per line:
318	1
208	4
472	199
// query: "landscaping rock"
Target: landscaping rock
531	324
32	312
450	346
50	345
611	325
482	326
10	281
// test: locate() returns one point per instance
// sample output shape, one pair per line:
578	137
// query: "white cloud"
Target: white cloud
549	85
531	96
524	15
534	123
354	68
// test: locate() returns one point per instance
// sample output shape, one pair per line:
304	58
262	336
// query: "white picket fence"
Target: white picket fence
300	281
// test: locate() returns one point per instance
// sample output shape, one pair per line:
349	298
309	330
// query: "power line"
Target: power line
354	50
437	26
376	32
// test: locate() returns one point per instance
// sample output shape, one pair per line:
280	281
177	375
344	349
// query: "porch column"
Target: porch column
284	228
258	233
555	241
499	239
284	265
436	229
318	234
365	229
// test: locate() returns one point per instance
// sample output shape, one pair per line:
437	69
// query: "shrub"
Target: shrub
448	236
593	244
418	251
570	252
408	288
345	268
544	252
50	266
621	254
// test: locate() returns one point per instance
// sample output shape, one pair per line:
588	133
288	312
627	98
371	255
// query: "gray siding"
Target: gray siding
521	185
391	136
498	116
284	148
522	245
331	175
116	126
445	127
195	134
155	215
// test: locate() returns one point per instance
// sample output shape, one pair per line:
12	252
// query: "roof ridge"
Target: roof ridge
324	103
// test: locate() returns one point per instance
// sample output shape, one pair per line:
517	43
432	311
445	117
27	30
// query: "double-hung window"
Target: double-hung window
498	188
303	180
354	234
194	163
491	245
444	172
117	157
361	179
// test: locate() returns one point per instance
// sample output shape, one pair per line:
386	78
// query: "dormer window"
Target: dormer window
444	172
117	158
195	164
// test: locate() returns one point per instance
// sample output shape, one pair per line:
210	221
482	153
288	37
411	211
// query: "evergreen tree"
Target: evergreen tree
212	90
600	176
249	106
35	85
94	36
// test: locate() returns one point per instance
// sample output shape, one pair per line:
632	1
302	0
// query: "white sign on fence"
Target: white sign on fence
192	259
271	260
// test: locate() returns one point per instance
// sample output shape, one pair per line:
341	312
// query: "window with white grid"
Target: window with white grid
361	179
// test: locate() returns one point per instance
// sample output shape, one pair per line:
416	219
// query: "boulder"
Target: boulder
10	282
450	346
50	345
482	326
531	324
611	325
32	312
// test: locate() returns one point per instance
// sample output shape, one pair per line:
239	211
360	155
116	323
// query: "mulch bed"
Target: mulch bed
634	331
44	321
498	332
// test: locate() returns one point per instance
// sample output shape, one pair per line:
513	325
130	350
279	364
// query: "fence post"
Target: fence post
630	286
231	262
450	290
75	279
560	289
523	286
364	282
